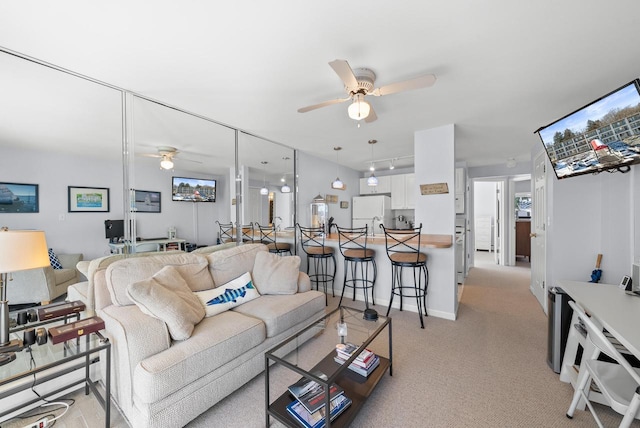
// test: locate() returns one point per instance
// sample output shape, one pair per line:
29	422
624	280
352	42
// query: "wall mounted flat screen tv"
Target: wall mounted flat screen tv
193	189
601	136
146	201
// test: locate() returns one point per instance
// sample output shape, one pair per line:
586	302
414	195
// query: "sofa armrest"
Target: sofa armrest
304	283
83	267
134	336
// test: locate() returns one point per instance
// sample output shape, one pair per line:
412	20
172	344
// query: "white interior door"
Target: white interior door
498	238
538	238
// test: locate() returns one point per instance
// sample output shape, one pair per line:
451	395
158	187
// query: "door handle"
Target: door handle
532	235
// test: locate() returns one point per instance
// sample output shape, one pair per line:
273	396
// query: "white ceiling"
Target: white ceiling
504	69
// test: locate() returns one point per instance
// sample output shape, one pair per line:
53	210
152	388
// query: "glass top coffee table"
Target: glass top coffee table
311	354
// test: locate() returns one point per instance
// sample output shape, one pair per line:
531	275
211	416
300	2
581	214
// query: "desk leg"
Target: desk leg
567	370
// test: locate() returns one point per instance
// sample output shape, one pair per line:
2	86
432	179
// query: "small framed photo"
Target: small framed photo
146	201
344	204
88	199
18	198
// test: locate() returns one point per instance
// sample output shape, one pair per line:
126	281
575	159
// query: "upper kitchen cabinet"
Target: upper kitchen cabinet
403	192
384	186
461	187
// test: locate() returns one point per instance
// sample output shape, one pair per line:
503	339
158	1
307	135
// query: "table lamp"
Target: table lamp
19	250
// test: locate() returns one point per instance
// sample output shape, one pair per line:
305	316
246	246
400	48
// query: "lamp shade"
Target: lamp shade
285	188
372	180
264	191
22	249
337	184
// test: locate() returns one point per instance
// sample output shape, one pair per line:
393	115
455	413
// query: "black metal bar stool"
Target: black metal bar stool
226	232
360	270
403	249
269	238
312	241
248	234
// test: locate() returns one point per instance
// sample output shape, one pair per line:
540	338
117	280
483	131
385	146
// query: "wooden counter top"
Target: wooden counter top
426	240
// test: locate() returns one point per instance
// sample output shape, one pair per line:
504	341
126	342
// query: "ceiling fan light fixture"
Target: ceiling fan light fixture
166	162
359	109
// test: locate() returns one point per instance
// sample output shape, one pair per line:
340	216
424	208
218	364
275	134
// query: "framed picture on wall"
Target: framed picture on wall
88	199
146	201
19	198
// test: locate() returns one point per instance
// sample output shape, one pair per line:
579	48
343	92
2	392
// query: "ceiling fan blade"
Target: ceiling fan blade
406	85
344	71
372	115
149	155
326	103
188	160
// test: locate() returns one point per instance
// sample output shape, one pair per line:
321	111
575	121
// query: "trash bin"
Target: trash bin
560	314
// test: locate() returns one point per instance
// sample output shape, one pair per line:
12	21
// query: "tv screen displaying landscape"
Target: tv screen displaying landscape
193	189
603	135
146	201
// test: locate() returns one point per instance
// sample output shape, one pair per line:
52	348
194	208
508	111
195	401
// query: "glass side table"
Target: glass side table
44	363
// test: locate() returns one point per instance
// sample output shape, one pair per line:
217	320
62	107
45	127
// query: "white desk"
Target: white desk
162	243
617	311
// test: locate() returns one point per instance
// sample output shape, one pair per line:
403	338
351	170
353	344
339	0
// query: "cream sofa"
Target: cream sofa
42	285
160	382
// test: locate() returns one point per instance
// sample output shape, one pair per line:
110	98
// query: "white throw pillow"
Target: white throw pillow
274	274
167	296
235	292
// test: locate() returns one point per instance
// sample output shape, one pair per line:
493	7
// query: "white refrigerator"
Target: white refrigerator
372	211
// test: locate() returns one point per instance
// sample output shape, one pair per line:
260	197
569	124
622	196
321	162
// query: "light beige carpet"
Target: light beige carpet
486	369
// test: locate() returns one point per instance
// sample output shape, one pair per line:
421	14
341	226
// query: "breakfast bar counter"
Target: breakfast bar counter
430	244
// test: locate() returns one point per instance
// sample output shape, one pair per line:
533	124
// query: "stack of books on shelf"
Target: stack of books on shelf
364	363
309	407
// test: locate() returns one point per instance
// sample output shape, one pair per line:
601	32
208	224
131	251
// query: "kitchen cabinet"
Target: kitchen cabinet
384	186
459	203
403	191
460	190
461	183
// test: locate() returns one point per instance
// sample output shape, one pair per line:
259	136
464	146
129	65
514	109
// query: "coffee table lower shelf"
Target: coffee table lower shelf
356	387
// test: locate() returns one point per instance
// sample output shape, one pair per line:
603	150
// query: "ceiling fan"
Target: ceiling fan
359	83
167	154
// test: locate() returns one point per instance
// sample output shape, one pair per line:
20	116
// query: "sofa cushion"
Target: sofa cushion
280	313
235	292
167	296
119	274
274	274
229	264
215	341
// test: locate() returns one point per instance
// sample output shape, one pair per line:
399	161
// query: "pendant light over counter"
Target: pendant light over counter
285	187
372	180
337	183
265	190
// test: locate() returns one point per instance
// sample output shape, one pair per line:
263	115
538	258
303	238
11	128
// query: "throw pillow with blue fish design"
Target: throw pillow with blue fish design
235	292
231	294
